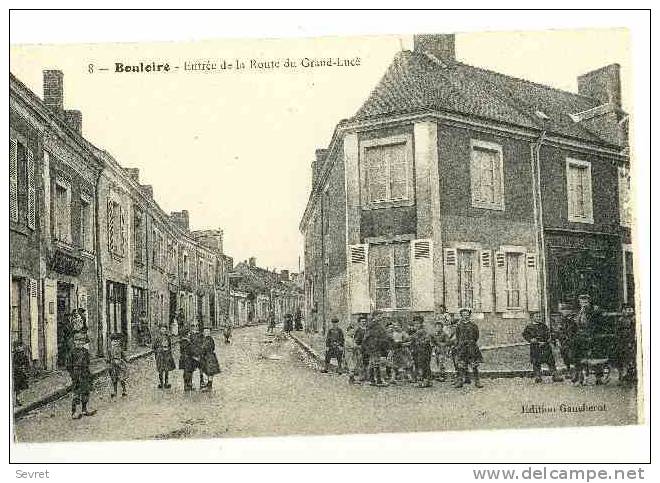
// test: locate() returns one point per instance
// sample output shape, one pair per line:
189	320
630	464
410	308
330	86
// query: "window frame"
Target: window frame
60	183
382	142
87	243
498	204
392	282
589	210
476	277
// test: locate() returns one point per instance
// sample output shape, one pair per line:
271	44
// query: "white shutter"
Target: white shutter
570	190
13	180
486	275
50	319
531	271
34	319
358	273
500	282
475	176
110	215
522	279
451	280
421	265
31	191
589	209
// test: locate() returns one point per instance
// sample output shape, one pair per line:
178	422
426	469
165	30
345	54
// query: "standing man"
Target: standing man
334	345
537	333
81	377
589	322
567	338
421	348
468	354
358	337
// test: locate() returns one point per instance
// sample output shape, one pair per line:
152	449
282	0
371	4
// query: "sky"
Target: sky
234	147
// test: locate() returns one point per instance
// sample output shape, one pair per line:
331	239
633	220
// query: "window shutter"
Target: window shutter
531	270
500	282
522	279
122	230
570	189
589	209
475	176
358	271
34	320
31	191
498	169
50	329
111	226
451	280
421	265
486	274
13	180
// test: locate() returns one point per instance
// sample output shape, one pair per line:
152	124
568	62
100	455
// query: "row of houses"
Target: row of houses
257	294
85	233
460	187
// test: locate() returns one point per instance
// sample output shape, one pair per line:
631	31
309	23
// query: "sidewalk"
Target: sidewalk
501	361
50	386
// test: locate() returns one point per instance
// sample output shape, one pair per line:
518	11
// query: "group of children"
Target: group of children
386	352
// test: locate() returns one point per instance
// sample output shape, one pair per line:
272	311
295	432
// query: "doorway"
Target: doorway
64	334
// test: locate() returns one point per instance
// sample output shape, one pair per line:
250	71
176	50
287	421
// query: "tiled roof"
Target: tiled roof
416	82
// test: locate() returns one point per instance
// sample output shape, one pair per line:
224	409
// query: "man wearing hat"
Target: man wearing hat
81	378
589	324
421	347
468	354
537	333
362	359
334	345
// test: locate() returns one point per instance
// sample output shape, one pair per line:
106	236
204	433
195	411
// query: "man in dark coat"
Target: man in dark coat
537	333
375	345
422	348
625	345
196	349
567	338
334	345
468	354
589	325
81	378
187	363
361	357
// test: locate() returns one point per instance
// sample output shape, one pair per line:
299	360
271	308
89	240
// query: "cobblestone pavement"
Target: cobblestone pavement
275	389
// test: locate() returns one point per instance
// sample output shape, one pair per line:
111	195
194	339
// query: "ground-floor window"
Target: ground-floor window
390	273
514	265
466	280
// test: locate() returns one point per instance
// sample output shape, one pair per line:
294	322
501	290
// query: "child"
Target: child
400	354
208	361
468	354
537	334
186	361
196	343
20	367
164	358
226	332
117	365
81	377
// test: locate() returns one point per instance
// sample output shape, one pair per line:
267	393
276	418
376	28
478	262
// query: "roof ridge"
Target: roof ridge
527	81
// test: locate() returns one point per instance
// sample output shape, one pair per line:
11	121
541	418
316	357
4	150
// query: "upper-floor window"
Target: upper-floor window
625	202
387	171
390	273
486	174
138	236
62	211
578	181
86	224
22	184
116	218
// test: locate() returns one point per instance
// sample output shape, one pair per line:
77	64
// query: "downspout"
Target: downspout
538	218
99	269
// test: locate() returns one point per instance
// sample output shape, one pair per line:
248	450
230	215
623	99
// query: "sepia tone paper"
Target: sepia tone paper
261	189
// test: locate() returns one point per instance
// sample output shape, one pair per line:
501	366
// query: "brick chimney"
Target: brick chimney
603	85
53	81
441	46
181	219
54	90
252	261
284	275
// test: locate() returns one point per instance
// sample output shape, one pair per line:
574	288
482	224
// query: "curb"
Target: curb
503	374
63	391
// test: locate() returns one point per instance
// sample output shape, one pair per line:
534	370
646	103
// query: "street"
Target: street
273	388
